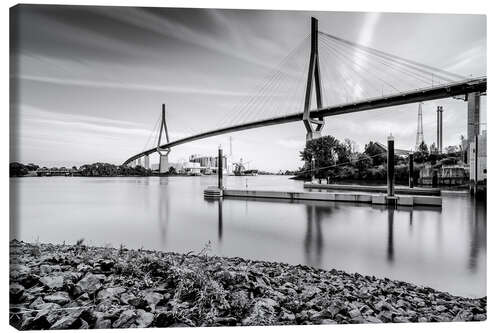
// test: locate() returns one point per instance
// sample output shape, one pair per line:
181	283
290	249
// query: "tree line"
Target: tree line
338	160
98	169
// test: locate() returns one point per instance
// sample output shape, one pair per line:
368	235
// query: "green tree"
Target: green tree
376	152
17	169
363	161
326	151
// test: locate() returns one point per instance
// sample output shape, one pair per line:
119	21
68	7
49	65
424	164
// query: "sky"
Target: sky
87	82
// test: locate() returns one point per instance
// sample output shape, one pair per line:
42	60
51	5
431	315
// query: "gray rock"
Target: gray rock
144	319
354	313
372	319
46	269
400	319
440	308
287	316
328	322
102	323
125	298
60	297
90	284
479	317
463	315
262	313
68	320
225	321
37	304
47	316
126	319
110	293
18	270
16	292
152	298
52	282
309	292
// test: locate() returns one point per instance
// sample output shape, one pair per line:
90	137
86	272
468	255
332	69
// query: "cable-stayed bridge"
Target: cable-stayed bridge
337	76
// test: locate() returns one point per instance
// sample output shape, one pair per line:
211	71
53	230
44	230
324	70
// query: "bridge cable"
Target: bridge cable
368	72
270	90
345	60
244	108
417	75
270	81
400	59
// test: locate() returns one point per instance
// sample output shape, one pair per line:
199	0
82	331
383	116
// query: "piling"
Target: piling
219	169
391	199
390	166
410	171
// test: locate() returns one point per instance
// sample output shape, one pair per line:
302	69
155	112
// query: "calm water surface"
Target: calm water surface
443	248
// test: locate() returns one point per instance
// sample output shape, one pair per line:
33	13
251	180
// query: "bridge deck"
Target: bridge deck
414	96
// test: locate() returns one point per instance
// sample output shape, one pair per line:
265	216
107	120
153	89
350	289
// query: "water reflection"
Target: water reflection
220	216
313	242
390	234
477	231
220	226
163	209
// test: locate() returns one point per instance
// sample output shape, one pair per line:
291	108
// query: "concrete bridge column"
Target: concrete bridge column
473	121
163	163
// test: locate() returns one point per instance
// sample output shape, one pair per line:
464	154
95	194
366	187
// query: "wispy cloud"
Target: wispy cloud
130	86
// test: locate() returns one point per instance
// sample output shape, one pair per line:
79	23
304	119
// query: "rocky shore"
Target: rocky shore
76	286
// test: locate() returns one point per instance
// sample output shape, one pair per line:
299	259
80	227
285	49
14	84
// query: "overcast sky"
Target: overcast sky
88	82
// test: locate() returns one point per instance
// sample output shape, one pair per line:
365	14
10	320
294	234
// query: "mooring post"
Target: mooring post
410	171
219	169
390	167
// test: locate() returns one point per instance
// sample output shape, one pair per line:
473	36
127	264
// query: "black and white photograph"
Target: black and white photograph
204	167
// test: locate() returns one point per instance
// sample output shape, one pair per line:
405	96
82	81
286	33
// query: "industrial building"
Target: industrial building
208	164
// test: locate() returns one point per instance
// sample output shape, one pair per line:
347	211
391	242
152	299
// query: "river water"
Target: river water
442	248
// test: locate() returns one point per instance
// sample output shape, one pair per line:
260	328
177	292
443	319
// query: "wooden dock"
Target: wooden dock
375	189
374	199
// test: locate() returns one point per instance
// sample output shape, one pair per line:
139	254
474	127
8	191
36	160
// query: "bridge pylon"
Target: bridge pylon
163	165
313	125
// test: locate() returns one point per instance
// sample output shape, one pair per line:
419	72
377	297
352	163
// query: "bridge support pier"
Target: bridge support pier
313	125
473	121
163	166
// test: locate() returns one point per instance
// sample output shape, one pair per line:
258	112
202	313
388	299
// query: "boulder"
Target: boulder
16	292
144	319
37	304
90	284
47	316
126	319
52	282
102	323
60	297
110	293
68	320
262	313
152	298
